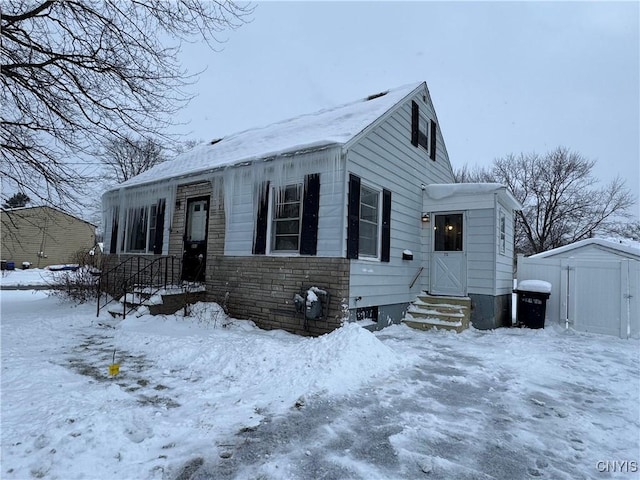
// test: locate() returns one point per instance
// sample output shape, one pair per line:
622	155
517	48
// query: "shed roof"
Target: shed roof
606	245
334	126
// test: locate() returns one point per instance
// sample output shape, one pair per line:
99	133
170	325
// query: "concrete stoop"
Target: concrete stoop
163	302
439	311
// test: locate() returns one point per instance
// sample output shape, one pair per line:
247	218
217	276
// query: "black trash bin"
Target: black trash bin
532	302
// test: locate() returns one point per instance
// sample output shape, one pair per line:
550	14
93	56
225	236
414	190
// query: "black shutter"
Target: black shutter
114	231
415	123
385	255
260	243
310	207
353	219
432	153
157	242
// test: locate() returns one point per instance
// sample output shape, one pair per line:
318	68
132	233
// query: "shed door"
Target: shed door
448	259
601	297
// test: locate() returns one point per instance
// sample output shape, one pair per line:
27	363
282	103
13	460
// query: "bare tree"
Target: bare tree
76	72
16	201
125	158
630	230
562	201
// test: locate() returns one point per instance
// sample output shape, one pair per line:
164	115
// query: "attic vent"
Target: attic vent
213	142
377	95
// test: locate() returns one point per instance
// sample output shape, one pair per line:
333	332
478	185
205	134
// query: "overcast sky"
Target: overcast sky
504	77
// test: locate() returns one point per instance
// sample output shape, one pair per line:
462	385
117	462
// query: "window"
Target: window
448	233
502	225
432	149
143	229
136	229
423	131
369	221
368	241
286	216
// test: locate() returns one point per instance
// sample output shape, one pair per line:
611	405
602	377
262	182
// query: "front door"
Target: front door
448	259
195	239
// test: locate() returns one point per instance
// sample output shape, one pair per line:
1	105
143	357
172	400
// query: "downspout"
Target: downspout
496	245
43	244
343	227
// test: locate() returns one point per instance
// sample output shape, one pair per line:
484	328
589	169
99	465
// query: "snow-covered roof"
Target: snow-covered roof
441	191
329	127
598	242
34	208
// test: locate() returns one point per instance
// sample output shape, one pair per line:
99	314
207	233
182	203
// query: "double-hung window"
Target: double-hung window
143	229
137	230
286	219
369	222
423	131
140	230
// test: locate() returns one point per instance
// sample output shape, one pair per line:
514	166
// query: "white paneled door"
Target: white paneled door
448	259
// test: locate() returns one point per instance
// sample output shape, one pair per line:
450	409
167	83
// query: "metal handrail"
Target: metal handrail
416	277
118	281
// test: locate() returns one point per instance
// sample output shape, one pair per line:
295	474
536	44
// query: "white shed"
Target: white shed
595	285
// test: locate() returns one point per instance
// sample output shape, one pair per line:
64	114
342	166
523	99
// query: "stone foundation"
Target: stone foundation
261	288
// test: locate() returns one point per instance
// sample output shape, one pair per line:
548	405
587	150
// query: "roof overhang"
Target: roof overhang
468	196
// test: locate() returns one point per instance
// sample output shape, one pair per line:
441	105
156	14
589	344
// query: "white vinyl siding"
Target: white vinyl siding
242	200
385	158
481	247
504	261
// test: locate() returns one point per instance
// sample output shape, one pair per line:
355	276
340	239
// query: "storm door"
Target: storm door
448	259
195	239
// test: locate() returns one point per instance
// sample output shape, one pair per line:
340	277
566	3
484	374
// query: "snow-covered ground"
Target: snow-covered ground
28	277
208	397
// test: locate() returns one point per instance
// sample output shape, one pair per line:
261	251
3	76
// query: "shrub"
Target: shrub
80	285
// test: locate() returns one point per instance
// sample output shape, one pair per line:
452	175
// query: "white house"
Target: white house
595	285
356	201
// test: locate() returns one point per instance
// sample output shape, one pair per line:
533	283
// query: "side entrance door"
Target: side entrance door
448	259
195	239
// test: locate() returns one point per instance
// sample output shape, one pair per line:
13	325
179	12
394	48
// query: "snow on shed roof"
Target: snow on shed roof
599	242
329	127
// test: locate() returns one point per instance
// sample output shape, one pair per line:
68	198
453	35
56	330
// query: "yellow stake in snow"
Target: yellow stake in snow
114	368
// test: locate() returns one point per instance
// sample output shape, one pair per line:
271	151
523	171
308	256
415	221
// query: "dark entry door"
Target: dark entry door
195	239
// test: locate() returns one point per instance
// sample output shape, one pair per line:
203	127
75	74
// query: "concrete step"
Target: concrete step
420	313
440	307
444	300
429	323
163	303
439	311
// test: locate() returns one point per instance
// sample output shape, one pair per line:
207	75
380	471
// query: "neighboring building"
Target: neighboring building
44	236
343	200
595	285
